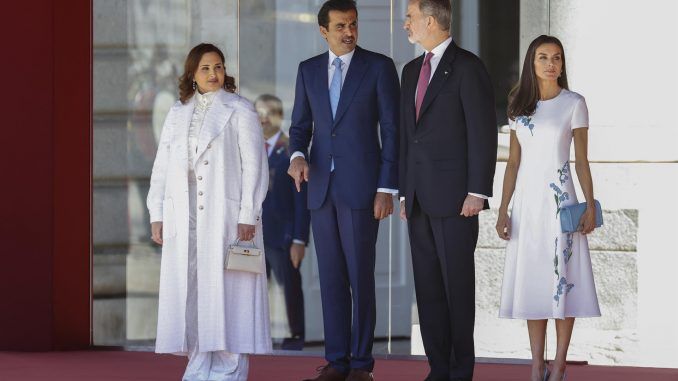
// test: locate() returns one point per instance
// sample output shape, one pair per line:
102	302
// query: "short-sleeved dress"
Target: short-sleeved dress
547	274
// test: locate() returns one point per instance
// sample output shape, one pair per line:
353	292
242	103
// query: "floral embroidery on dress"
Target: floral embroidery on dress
527	122
555	259
563	173
567	252
559	196
563	289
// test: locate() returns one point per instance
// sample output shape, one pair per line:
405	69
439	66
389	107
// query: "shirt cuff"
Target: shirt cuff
300	242
472	194
297	154
394	192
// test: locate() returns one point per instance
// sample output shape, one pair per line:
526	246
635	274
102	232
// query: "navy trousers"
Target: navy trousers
278	261
345	242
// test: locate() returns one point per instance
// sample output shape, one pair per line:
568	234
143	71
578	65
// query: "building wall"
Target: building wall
622	57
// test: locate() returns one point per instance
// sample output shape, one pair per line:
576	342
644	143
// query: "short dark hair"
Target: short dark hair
334	5
274	102
441	10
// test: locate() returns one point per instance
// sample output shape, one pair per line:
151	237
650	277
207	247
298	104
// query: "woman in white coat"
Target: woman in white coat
208	184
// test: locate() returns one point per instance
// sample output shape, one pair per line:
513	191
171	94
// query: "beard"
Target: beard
412	38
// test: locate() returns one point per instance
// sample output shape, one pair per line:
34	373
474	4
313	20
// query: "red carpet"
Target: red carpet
141	366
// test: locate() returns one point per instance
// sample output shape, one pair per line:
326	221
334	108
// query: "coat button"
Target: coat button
416	141
205	162
329	156
199	177
334	135
200	193
209	146
201	207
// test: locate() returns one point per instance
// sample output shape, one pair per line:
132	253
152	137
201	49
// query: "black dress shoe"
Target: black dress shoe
360	375
327	373
292	344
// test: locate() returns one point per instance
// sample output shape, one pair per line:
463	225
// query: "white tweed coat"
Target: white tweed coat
232	172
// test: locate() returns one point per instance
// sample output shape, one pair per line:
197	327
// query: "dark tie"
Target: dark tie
422	84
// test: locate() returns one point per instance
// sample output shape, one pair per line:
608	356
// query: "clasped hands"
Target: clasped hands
299	171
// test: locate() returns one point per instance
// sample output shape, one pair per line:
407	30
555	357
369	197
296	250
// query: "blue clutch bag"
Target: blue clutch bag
571	215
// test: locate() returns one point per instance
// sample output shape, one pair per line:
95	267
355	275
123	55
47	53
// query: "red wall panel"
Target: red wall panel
26	168
72	173
45	192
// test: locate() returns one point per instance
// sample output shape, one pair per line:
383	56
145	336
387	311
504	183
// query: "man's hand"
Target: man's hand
472	206
156	232
299	171
297	252
403	211
383	205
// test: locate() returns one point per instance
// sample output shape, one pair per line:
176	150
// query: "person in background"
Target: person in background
547	274
286	218
208	184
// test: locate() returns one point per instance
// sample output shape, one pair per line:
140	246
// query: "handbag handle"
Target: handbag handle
237	242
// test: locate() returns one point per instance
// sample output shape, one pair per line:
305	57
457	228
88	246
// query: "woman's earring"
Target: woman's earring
194	85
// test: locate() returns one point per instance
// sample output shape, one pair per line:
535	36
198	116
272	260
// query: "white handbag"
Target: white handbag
244	258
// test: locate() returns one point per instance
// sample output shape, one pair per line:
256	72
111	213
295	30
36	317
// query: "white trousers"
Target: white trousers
204	366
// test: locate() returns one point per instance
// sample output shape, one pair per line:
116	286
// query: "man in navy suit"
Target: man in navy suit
286	219
346	105
447	162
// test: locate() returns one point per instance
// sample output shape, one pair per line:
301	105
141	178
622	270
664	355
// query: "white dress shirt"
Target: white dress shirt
345	63
438	52
202	104
272	141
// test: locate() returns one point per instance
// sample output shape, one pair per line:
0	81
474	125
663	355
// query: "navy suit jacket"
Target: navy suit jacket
285	215
367	111
452	149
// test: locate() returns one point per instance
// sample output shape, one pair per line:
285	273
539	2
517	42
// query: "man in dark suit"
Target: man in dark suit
286	219
447	160
346	101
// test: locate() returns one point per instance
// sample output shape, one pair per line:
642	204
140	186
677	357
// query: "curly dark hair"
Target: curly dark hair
191	66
